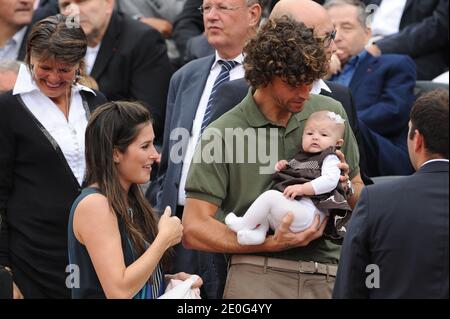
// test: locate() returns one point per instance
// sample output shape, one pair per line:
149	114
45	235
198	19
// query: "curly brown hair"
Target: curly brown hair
287	49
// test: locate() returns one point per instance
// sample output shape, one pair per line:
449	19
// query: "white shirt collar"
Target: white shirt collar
318	86
435	160
19	35
239	59
25	83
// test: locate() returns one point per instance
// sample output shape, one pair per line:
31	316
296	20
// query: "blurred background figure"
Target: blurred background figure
382	87
416	28
8	75
159	14
15	16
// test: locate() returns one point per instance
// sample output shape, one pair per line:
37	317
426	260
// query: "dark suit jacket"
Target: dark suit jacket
232	93
132	64
402	227
423	36
188	24
383	89
197	47
185	90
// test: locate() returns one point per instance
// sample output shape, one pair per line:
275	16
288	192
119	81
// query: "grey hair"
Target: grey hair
252	2
360	6
8	65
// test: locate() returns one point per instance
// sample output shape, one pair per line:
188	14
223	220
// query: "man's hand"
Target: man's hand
163	26
286	239
373	49
334	66
352	188
17	294
343	166
293	191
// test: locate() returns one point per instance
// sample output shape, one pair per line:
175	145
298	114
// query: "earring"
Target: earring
77	76
31	70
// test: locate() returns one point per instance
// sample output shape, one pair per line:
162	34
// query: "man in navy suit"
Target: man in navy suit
422	33
228	25
383	89
396	244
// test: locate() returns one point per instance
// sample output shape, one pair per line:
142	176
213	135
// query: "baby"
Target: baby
308	185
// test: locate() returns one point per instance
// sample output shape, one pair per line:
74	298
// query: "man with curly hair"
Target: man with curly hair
228	24
281	63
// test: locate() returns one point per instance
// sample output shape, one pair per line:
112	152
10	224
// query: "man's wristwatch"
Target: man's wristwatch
349	191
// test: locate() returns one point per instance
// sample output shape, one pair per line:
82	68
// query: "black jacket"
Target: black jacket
396	244
132	64
37	189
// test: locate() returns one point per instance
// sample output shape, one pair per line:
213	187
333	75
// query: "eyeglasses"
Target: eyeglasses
221	8
328	38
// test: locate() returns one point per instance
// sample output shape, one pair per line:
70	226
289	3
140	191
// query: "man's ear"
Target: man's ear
368	32
254	12
111	4
418	141
340	142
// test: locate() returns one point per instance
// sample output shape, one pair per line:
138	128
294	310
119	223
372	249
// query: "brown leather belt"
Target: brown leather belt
306	267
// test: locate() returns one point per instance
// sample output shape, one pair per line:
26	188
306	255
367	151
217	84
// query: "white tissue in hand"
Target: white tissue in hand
178	289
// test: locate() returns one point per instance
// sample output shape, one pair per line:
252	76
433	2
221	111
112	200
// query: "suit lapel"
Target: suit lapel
192	93
365	66
108	46
408	6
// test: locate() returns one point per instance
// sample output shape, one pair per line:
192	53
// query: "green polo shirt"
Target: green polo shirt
236	156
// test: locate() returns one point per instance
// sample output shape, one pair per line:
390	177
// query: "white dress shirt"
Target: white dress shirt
236	73
10	51
387	18
68	133
318	86
90	57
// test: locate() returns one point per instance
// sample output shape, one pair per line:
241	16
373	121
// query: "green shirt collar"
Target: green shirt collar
256	118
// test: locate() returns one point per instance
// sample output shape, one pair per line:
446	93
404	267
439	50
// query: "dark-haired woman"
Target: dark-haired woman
42	165
116	243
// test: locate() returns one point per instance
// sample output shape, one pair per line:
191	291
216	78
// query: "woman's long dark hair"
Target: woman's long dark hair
114	126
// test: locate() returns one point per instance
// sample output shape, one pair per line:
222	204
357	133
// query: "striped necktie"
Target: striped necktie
223	76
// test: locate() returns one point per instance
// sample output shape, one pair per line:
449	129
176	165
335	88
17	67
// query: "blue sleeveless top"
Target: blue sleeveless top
84	281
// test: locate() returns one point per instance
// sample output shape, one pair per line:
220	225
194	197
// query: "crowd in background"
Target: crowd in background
94	95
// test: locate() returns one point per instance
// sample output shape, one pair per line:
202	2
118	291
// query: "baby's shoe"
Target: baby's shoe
233	222
250	237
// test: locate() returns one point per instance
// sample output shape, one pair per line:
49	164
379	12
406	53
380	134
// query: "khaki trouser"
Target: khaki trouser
246	281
